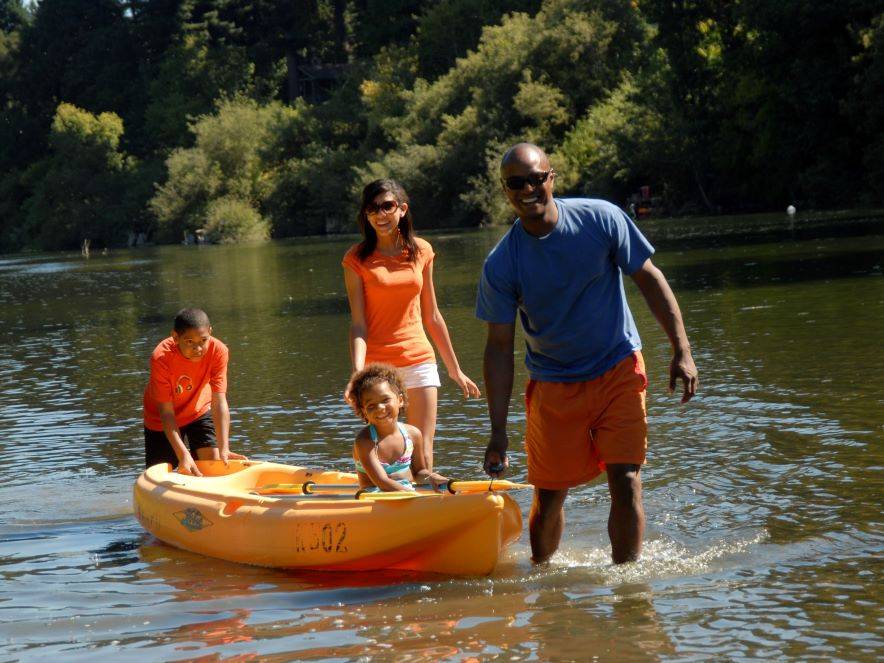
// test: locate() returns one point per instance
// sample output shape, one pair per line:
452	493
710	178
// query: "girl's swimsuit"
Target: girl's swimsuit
400	464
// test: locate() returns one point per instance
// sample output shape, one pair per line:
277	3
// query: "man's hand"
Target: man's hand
682	368
496	461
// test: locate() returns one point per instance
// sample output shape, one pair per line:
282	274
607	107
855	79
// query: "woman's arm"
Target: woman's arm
419	469
367	453
435	325
358	326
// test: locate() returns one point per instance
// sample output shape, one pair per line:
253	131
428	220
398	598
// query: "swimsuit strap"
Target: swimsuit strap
409	445
398	465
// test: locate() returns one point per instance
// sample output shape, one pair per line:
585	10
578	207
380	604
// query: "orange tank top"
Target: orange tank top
392	288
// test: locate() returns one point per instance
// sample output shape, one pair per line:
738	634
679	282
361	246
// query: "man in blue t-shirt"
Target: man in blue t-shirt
560	267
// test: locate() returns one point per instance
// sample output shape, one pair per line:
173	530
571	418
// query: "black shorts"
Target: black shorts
197	434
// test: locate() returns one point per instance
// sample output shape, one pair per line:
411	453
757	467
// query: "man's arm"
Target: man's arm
173	434
498	370
663	305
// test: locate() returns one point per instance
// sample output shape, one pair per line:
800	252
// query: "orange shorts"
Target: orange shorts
575	428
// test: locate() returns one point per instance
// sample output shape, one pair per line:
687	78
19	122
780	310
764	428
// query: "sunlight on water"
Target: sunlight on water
660	559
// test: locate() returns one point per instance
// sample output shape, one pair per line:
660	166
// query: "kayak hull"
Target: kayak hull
219	515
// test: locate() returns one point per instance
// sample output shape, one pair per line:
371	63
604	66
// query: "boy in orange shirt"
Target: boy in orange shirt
186	397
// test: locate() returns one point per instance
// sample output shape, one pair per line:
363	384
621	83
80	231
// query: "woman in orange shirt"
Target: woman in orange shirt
389	279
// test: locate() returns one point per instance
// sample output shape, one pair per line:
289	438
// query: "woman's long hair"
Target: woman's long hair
406	227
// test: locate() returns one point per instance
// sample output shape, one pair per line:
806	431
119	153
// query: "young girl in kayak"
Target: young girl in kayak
389	279
387	454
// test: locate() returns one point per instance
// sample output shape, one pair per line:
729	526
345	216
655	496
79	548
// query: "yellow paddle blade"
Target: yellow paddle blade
280	489
389	496
483	485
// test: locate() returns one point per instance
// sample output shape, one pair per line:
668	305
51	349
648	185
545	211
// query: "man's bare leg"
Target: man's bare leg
626	522
546	523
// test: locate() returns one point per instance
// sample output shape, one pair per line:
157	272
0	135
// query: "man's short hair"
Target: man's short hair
191	318
510	154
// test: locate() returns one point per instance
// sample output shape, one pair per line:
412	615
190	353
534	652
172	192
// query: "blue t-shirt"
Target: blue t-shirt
568	289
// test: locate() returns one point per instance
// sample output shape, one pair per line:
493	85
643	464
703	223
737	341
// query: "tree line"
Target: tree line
150	119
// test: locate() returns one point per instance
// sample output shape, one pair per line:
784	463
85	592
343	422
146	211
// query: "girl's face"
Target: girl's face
384	214
381	404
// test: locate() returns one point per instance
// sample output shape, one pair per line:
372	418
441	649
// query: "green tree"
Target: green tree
202	63
867	107
234	158
529	78
757	98
447	30
78	52
80	190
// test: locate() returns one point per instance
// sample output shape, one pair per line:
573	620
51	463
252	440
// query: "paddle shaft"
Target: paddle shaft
312	488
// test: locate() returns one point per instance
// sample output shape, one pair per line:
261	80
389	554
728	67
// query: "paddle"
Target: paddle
454	486
481	486
306	488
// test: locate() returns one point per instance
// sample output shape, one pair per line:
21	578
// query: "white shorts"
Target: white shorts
420	375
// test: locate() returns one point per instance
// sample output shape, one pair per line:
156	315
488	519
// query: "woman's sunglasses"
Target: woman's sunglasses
518	182
387	207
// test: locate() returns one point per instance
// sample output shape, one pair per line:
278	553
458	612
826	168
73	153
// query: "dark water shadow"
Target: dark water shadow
725	272
315	306
764	271
683	235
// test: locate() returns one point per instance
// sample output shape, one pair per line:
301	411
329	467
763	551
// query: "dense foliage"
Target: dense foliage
243	119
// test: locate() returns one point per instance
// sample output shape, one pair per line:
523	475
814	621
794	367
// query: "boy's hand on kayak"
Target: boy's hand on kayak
189	466
227	454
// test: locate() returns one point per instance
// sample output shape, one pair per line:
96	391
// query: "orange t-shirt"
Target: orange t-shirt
188	385
392	287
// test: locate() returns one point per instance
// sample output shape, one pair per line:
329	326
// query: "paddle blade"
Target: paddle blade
389	496
483	485
284	489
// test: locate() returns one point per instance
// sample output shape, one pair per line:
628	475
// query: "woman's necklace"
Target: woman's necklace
395	249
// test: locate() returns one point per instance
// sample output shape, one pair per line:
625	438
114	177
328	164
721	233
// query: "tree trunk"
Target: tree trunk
293	61
340	31
702	191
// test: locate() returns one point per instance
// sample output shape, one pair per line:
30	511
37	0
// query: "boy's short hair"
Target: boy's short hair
191	318
374	374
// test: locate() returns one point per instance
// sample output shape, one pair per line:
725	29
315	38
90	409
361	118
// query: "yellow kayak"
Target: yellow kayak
268	514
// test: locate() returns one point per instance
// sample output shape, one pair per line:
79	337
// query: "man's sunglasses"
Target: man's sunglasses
387	207
518	182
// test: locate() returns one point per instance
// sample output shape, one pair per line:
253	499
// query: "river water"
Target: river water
763	495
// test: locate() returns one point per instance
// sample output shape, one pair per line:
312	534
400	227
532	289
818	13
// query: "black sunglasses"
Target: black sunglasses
518	182
387	207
